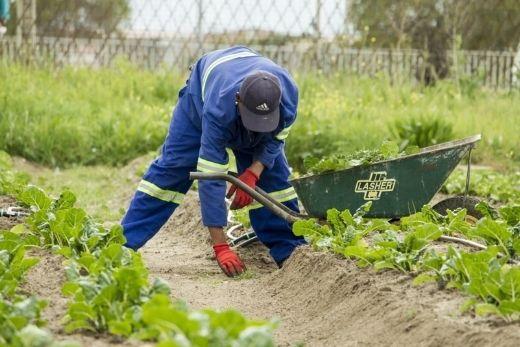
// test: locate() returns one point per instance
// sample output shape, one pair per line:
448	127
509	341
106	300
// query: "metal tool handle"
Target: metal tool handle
13	212
258	194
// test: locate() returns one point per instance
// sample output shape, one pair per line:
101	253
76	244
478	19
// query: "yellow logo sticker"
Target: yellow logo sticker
376	184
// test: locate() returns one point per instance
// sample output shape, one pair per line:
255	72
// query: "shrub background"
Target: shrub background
78	116
82	115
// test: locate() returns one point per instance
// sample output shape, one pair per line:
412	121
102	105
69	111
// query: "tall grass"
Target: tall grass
109	116
83	116
343	113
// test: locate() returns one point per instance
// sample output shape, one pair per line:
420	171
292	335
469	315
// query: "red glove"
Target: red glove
243	199
228	260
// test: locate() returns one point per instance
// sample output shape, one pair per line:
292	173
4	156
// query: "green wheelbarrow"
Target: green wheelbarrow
396	188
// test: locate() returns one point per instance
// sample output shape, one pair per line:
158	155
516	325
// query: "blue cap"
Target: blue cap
259	103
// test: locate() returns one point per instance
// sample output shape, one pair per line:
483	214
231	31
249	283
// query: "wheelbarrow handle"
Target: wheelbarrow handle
258	194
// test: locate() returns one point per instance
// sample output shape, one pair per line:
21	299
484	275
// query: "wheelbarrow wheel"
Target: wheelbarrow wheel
460	201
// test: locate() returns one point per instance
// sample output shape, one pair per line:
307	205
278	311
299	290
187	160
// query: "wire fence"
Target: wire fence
300	35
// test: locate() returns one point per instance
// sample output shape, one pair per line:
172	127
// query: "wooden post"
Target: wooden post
26	27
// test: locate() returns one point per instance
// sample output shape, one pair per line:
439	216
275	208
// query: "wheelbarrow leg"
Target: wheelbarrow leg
468	175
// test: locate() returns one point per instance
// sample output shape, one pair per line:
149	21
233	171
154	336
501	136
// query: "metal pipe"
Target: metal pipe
462	242
468	175
265	200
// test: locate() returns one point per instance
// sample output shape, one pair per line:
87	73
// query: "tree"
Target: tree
435	26
78	18
489	24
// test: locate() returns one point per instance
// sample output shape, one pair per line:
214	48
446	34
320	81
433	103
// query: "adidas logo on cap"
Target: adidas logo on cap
262	107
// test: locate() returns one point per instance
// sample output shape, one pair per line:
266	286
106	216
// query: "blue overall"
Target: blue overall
4	10
205	123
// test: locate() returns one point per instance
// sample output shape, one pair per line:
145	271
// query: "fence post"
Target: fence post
515	69
26	28
198	30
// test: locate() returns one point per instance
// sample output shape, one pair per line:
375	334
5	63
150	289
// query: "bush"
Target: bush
343	113
422	131
110	116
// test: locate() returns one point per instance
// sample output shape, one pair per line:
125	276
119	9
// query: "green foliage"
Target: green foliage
109	288
10	182
493	284
82	115
422	132
387	150
58	223
341	113
18	312
13	263
81	18
416	24
172	324
242	217
93	116
341	231
107	284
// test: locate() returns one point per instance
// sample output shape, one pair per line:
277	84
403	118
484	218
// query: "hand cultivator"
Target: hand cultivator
397	187
13	212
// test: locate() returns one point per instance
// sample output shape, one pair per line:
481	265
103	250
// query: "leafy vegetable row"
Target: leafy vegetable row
108	283
20	313
490	277
109	288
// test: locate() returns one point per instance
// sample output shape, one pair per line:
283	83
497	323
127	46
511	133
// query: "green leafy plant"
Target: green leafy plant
341	231
108	289
13	262
20	314
387	150
422	131
108	283
59	223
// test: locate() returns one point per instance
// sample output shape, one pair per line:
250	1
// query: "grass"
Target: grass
84	116
345	113
102	190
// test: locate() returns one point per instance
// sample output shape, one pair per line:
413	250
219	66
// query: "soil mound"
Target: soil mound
335	303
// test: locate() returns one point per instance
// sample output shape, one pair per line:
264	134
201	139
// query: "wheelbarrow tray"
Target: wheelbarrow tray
396	188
